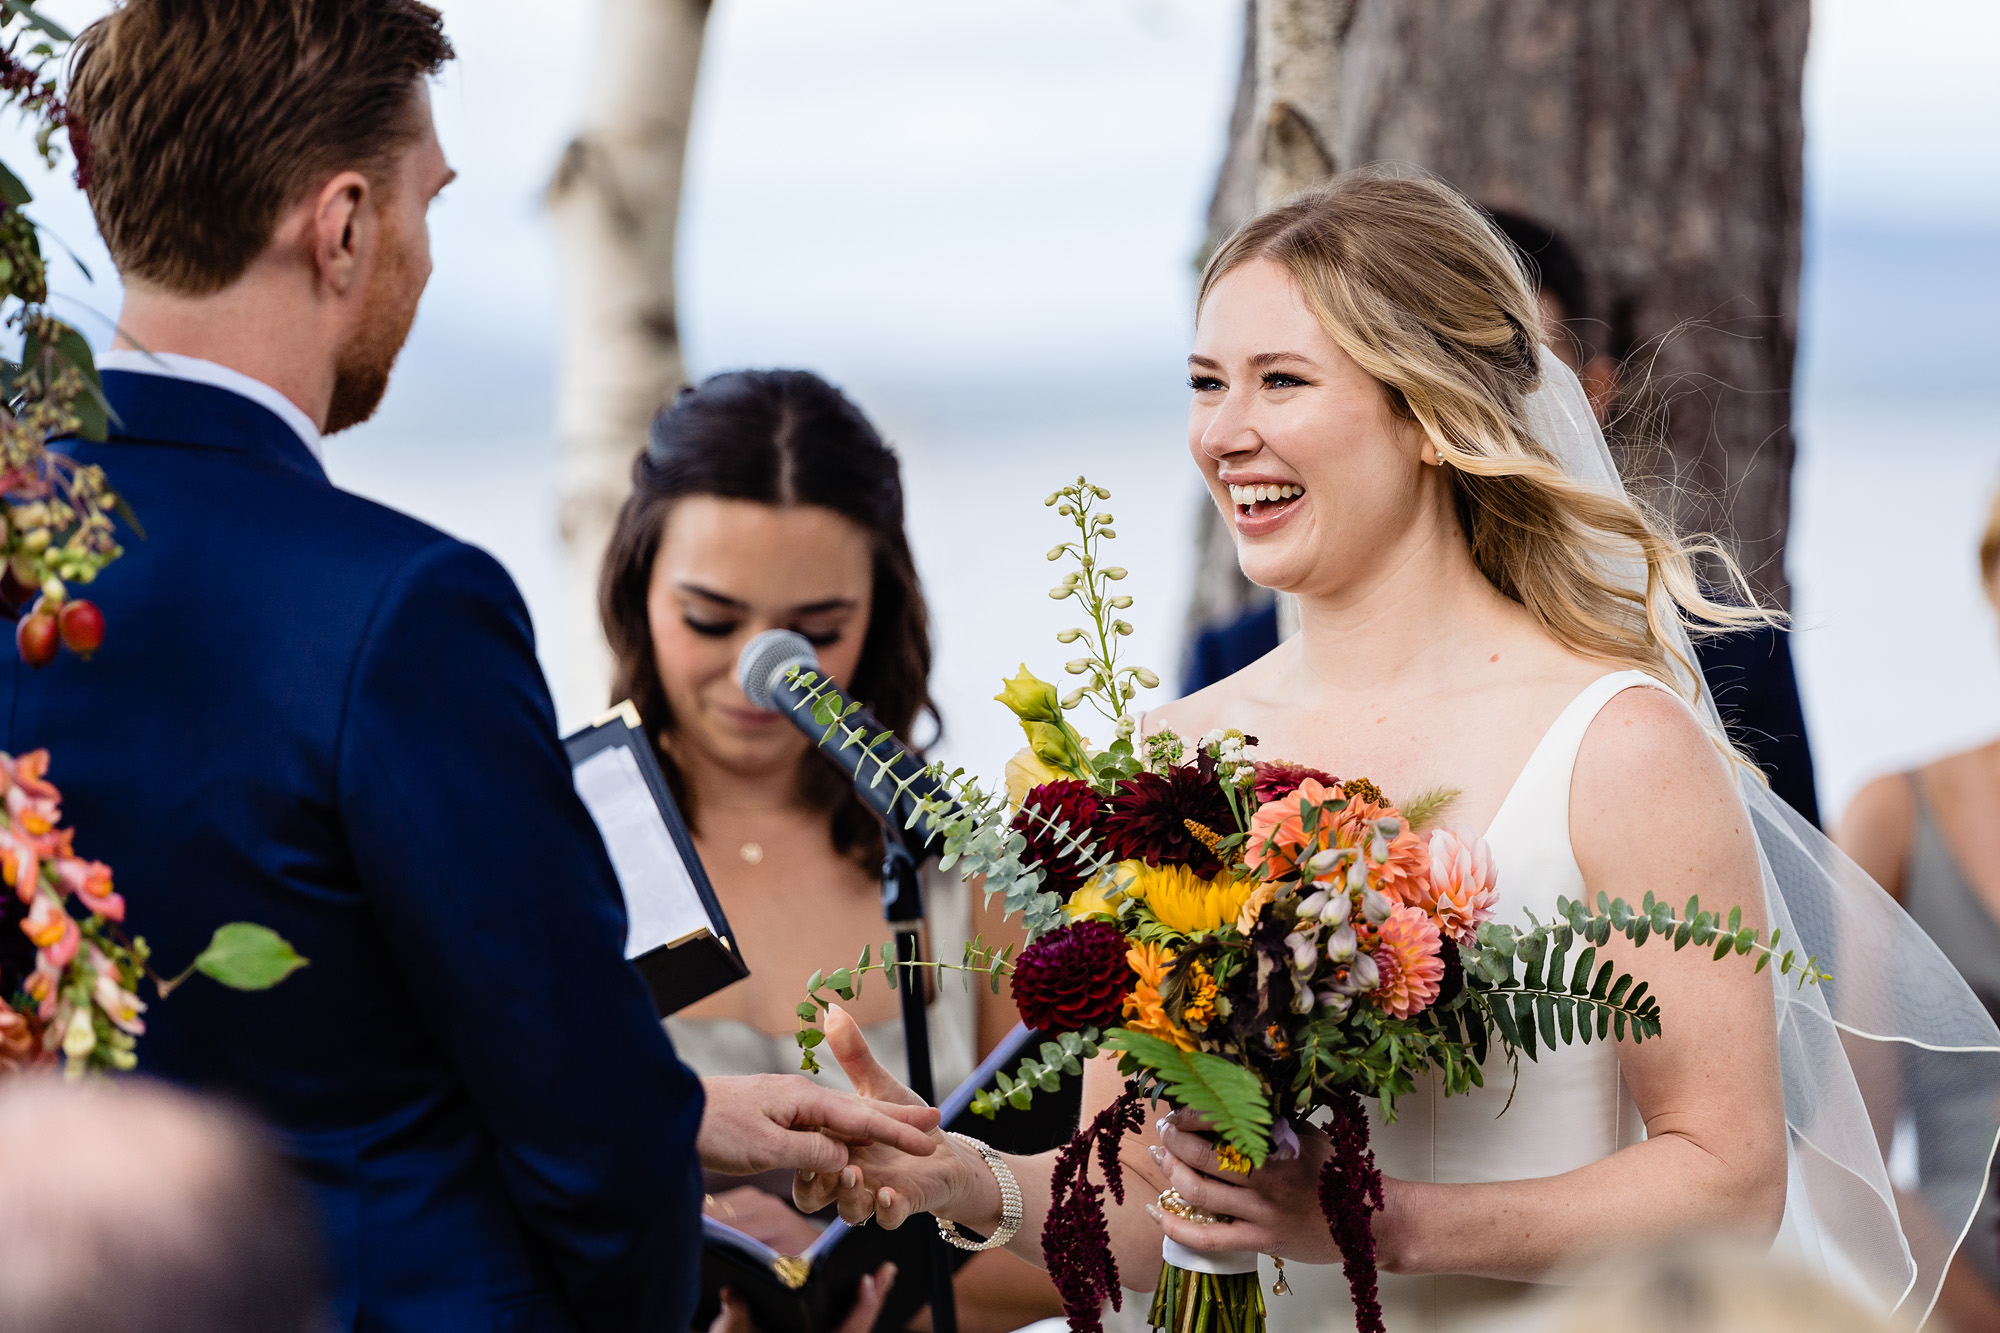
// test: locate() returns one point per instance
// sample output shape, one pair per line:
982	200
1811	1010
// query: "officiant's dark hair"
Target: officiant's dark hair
196	125
774	437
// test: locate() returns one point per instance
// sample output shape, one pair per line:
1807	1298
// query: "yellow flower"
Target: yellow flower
1100	896
1187	903
1053	741
1031	699
1025	772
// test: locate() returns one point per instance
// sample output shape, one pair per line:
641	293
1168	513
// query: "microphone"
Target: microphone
888	778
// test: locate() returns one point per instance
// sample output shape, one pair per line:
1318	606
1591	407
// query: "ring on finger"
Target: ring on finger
1170	1201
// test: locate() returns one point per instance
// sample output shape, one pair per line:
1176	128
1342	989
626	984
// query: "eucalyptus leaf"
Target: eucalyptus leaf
245	956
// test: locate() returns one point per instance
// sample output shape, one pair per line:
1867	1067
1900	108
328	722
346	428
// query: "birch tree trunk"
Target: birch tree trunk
616	198
1663	139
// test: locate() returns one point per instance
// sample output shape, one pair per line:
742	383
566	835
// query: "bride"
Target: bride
1482	607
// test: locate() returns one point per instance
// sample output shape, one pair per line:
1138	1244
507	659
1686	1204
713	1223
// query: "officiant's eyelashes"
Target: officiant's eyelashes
715	616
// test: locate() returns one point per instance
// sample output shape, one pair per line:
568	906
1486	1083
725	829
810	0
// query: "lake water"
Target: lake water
1898	653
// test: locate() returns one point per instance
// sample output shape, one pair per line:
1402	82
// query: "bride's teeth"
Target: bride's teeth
1249	495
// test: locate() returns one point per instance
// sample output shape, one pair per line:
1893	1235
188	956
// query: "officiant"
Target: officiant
765	500
317	714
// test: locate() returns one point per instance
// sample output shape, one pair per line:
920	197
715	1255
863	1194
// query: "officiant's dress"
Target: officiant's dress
1570	1107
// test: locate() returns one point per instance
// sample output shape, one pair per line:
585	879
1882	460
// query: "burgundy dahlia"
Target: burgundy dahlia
1148	820
1073	978
1279	779
1046	809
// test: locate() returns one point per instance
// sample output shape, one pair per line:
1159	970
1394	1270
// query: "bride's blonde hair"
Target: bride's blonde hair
1414	282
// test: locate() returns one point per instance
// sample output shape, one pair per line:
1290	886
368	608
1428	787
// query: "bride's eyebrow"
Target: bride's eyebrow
1263	359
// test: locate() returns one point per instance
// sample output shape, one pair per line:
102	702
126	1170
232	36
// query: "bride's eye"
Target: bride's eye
710	629
823	639
1204	383
1279	379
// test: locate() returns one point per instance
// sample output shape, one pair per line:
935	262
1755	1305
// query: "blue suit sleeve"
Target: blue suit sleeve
500	903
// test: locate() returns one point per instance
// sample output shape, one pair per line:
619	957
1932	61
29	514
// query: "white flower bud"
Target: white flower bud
1366	975
1069	636
1340	945
1334	1005
1302	1000
1076	666
1114	572
1376	906
1146	679
1072	699
1121	601
1304	956
1312	903
1321	862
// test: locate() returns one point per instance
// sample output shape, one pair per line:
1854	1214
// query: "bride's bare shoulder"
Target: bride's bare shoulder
1648	763
1226	703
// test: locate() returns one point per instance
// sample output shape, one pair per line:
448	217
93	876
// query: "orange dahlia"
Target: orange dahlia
1406	954
1278	832
1145	1011
1403	876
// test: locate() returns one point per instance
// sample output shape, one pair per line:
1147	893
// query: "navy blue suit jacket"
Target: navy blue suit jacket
316	713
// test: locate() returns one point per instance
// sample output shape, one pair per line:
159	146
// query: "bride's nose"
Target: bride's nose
1228	432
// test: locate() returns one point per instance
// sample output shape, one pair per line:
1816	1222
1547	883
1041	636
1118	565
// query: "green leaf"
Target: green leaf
808	1010
1228	1096
25	11
12	191
1580	982
246	956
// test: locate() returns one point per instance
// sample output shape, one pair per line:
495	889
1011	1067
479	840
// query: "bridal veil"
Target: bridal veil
1895	1048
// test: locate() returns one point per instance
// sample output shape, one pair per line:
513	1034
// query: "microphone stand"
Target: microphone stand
903	908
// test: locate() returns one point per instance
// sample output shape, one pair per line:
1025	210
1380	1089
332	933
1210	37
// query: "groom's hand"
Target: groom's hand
770	1122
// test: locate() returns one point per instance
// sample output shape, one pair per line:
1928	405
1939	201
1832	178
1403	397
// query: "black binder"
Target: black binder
814	1291
677	935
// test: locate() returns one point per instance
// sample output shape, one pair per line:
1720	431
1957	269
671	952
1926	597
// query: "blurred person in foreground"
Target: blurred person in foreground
1749	671
766	499
1931	837
325	717
1721	1284
179	1217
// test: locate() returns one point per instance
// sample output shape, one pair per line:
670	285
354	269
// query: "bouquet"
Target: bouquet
1260	942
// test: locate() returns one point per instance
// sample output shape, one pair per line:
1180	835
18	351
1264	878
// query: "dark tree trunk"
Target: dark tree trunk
1664	140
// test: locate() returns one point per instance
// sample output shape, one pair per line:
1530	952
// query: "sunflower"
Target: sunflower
1187	903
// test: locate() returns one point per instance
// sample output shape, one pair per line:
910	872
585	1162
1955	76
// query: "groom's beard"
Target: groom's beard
361	375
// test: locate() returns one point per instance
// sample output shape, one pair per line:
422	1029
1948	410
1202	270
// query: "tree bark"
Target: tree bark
615	198
1664	139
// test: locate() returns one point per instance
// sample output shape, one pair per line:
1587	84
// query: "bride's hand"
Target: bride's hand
1265	1207
881	1182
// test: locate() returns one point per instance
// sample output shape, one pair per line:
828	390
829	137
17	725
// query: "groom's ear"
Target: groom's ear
341	233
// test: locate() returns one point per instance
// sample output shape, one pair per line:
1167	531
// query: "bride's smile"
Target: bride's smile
1324	484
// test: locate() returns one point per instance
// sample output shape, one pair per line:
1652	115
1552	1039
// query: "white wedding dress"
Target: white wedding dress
1892	1032
1570	1107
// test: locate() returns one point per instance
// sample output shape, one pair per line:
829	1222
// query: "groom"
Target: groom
317	714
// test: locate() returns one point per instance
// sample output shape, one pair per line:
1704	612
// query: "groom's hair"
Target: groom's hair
204	120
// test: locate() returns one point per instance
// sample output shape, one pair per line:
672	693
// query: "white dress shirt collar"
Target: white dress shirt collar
172	365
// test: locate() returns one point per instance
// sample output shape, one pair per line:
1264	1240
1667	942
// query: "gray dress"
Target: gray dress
1940	898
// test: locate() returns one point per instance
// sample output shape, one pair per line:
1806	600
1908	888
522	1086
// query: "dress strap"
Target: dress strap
1545	779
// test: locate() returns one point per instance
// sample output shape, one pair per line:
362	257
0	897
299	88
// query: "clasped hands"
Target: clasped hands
884	1181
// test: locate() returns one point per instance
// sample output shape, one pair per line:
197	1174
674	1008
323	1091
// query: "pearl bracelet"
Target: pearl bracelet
1010	1202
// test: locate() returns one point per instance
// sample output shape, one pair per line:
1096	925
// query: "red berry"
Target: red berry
82	627
36	638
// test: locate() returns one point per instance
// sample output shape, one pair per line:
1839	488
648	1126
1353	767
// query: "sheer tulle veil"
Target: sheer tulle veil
1895	1040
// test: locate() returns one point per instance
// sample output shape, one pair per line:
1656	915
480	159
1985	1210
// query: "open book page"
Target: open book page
661	902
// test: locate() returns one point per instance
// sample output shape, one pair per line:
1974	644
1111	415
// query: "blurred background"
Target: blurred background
982	220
